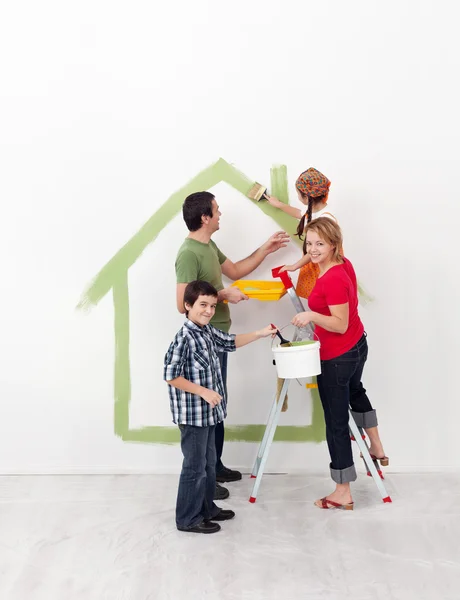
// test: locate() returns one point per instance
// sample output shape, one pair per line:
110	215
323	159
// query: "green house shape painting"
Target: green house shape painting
114	276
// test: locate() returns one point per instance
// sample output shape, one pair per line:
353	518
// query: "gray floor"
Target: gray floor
113	538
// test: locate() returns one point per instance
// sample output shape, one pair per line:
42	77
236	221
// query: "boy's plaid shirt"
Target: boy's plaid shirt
193	355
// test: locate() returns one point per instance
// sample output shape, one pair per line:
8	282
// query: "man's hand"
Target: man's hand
278	240
211	397
302	319
233	295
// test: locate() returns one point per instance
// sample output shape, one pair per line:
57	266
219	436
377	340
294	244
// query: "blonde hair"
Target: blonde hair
329	231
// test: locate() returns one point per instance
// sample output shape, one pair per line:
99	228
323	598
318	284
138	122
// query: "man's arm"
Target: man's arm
180	289
243	267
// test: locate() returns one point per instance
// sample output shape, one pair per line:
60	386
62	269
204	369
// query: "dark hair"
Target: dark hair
307	216
196	206
198	288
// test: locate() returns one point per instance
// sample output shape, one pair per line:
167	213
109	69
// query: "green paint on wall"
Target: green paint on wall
114	275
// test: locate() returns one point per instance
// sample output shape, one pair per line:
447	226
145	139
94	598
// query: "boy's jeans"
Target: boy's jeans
198	477
220	431
339	387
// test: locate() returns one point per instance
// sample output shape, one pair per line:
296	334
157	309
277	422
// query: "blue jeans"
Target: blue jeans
220	431
340	387
198	476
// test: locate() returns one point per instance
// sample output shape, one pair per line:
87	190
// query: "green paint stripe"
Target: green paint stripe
122	375
279	184
315	432
130	252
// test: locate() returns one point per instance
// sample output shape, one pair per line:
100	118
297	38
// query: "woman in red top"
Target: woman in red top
333	307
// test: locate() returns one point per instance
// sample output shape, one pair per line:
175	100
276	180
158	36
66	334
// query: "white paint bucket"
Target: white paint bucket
300	359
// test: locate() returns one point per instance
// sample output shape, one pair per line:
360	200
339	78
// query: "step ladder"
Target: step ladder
356	433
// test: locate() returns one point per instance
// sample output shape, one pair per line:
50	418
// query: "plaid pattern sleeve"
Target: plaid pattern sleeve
225	342
193	355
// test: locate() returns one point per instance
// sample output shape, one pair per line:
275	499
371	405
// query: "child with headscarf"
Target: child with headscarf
313	191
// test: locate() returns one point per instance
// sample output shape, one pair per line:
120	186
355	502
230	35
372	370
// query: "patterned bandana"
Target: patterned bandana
313	183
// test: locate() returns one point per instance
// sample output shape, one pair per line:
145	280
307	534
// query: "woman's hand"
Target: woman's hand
302	319
273	201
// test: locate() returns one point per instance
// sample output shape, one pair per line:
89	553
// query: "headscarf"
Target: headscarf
312	183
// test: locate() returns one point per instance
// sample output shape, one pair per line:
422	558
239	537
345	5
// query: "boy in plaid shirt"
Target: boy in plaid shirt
198	403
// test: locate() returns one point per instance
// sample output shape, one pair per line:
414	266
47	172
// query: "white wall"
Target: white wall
109	107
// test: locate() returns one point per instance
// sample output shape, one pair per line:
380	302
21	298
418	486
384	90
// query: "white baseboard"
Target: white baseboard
135	470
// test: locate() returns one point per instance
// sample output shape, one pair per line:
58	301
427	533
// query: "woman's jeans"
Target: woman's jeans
340	387
197	481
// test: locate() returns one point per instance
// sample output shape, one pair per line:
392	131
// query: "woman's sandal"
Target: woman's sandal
384	461
325	503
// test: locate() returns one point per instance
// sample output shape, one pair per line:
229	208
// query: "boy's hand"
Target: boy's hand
269	330
211	397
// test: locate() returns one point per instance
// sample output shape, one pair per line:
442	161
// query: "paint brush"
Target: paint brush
282	339
258	192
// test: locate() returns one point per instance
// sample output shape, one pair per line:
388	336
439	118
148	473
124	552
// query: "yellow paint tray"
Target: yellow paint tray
261	290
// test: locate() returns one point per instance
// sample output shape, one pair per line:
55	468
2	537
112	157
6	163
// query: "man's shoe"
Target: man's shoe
225	474
203	527
223	515
221	493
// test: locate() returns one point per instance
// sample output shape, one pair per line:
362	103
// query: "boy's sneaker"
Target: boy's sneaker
225	474
221	493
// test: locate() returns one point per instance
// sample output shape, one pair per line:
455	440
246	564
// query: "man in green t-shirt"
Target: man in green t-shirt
200	259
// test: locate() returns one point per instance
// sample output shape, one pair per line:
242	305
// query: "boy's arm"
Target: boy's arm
242	339
210	396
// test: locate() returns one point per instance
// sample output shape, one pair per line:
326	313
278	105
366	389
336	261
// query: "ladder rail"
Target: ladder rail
275	413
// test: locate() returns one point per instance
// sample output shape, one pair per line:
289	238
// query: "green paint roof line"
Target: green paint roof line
122	372
122	375
130	252
115	275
